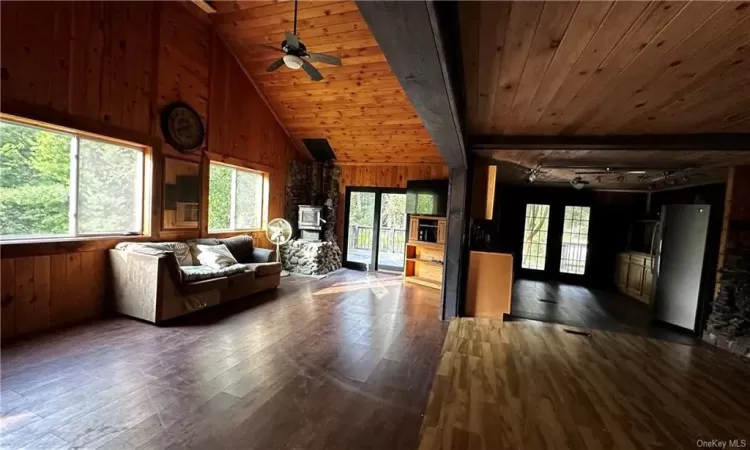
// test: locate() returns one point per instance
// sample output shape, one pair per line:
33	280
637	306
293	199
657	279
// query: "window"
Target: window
575	239
235	198
57	183
535	237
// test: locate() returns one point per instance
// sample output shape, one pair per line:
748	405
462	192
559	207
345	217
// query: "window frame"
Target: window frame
584	261
232	206
546	240
145	163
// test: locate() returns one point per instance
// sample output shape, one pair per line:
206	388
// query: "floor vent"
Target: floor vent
546	300
580	333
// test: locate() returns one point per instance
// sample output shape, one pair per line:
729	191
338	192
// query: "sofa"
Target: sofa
157	281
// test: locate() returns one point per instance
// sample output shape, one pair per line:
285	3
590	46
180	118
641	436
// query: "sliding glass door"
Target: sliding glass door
375	228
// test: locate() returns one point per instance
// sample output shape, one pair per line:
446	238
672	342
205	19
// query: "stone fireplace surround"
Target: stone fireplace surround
728	325
312	183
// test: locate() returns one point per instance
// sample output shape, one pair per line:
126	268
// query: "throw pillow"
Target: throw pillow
215	256
241	247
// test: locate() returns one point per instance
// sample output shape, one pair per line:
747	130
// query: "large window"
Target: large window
535	237
235	198
575	239
64	184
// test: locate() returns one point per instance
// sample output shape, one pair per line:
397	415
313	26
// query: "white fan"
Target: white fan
278	232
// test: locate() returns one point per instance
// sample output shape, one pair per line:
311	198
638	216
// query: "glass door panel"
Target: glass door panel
392	234
360	235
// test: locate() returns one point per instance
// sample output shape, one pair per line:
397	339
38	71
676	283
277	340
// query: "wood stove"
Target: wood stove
309	222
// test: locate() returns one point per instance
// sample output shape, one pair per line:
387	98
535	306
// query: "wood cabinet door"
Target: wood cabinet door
413	229
635	279
648	282
441	232
621	272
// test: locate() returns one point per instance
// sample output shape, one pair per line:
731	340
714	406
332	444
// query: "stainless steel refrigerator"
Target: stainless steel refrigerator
680	246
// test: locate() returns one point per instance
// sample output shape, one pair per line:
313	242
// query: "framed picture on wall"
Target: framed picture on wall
181	196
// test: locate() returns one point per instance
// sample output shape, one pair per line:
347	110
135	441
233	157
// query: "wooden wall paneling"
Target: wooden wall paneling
25	314
59	301
8	286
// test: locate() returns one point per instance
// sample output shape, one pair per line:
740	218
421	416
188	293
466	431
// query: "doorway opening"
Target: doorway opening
375	229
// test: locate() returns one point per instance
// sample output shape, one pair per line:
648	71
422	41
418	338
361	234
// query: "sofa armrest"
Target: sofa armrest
263	255
135	282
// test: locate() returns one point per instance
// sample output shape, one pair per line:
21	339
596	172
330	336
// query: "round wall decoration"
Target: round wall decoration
182	127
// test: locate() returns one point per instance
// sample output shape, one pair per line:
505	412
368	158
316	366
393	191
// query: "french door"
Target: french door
375	228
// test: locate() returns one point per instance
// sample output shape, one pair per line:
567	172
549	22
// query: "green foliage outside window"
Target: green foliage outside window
35	184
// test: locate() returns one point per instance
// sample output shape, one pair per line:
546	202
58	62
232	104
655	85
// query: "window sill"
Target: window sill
216	233
38	247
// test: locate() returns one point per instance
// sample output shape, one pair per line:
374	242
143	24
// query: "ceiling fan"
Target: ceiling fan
297	56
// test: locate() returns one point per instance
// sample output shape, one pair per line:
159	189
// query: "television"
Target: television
427	197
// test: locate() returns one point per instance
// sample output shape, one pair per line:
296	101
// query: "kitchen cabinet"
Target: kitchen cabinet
441	231
633	275
413	229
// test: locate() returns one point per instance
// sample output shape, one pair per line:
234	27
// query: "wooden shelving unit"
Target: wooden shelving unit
424	260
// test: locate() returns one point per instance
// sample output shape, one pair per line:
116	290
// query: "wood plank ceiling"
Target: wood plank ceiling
359	107
566	68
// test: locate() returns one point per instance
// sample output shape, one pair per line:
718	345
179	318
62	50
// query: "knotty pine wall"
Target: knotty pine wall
394	176
110	67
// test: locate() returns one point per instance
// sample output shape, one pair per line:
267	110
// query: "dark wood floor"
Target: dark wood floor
530	385
588	308
344	362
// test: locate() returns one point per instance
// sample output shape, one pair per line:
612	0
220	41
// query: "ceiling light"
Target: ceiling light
577	183
293	62
636	172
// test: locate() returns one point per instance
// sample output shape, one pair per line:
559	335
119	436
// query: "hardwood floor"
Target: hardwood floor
588	308
530	385
344	362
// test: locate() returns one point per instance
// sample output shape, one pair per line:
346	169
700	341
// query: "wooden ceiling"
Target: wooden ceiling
565	68
562	166
359	107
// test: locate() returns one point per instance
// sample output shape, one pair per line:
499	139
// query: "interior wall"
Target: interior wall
395	176
611	213
109	67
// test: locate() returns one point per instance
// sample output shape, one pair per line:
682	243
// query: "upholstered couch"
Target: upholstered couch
156	281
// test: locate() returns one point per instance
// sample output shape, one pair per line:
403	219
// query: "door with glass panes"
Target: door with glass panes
574	239
375	229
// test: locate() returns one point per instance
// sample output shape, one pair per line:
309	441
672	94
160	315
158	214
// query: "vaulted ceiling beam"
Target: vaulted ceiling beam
411	36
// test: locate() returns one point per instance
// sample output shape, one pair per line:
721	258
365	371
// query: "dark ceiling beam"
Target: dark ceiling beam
413	39
739	141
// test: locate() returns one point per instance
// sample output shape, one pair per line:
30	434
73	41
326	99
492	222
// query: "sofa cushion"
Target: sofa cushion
241	247
264	269
180	249
215	256
197	273
194	250
196	287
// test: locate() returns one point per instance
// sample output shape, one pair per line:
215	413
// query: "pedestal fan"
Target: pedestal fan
279	232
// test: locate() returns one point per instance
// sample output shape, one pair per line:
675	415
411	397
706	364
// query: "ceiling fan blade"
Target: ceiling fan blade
312	71
328	59
275	65
291	40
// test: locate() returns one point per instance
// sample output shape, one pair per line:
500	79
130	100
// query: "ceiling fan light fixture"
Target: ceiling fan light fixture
293	62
